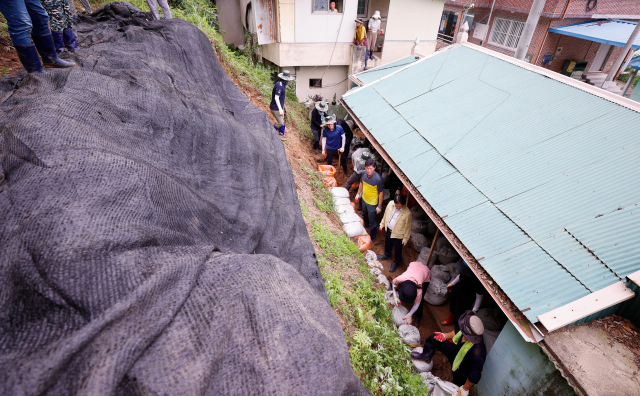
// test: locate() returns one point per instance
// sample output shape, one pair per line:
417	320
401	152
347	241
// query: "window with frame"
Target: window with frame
506	33
322	6
315	83
362	8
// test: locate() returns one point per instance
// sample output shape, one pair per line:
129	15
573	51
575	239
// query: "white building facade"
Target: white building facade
315	45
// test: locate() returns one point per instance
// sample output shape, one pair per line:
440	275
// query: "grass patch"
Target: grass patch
322	197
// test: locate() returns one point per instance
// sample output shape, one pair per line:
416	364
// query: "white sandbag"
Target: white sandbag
447	255
342	201
451	269
419	226
444	388
442	242
438	272
422	366
354	229
370	255
344	209
399	313
436	292
382	279
349	217
419	241
417	213
375	271
429	381
410	334
388	297
424	254
378	264
386	195
434	260
339	192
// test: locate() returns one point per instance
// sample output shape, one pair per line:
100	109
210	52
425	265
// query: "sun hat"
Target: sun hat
323	106
376	15
358	20
471	326
286	75
330	120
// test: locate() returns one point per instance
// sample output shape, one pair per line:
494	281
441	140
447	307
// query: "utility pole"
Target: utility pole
623	54
529	29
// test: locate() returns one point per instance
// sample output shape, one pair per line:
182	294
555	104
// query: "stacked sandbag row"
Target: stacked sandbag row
352	223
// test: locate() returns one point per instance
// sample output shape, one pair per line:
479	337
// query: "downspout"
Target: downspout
484	42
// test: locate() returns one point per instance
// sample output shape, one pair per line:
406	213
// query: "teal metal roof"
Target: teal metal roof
372	75
535	175
614	32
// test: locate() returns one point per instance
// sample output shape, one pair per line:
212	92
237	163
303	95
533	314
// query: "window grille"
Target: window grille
506	33
320	5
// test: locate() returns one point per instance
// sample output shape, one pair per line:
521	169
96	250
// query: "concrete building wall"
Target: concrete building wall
323	28
286	21
307	54
408	20
231	21
332	75
517	367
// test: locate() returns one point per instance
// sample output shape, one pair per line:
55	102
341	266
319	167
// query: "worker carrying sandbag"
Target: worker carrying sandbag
397	222
466	292
333	139
466	353
359	158
412	285
372	192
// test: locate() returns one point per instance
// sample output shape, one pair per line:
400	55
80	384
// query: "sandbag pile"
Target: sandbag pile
438	387
410	334
151	240
436	292
421	366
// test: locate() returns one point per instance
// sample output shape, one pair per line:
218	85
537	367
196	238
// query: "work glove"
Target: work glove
358	198
461	392
281	113
440	336
408	319
324	154
395	298
378	210
404	244
450	287
341	149
381	227
359	46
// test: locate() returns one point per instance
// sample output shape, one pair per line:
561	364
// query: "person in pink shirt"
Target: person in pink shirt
412	285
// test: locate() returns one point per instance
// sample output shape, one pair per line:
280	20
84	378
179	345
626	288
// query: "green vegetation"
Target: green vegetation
625	77
322	196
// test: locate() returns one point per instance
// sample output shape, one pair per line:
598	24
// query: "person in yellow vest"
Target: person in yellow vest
360	39
372	192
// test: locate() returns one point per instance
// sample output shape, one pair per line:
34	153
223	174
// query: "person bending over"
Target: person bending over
412	285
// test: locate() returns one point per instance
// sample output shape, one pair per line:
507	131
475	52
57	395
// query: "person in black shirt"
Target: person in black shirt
277	100
348	133
318	116
466	353
466	293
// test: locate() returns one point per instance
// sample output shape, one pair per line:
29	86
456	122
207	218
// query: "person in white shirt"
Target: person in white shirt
397	222
332	7
374	26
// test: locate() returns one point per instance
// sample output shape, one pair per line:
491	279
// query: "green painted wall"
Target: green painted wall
517	367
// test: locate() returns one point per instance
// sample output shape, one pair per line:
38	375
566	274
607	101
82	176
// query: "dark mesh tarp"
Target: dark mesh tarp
151	241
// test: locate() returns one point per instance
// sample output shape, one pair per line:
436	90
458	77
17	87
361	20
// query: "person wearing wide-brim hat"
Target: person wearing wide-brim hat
360	39
277	100
466	351
372	34
333	139
318	115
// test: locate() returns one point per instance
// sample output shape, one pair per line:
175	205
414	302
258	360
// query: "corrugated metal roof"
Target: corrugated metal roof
614	32
376	73
520	165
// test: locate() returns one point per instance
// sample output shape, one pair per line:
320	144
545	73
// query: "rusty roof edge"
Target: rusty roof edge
505	303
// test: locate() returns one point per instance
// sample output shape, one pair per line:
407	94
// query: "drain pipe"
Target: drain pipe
484	42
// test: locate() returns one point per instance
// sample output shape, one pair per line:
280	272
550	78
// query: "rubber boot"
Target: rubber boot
365	61
57	41
448	320
47	51
69	39
28	55
281	130
372	233
371	54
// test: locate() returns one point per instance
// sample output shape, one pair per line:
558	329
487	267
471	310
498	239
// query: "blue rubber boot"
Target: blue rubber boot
47	51
28	55
57	41
69	40
281	130
365	60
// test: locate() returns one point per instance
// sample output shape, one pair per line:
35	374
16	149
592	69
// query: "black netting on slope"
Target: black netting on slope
138	186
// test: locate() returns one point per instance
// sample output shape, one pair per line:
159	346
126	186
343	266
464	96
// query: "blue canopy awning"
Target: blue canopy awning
635	63
614	32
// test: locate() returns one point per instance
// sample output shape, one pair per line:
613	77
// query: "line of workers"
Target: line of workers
464	347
